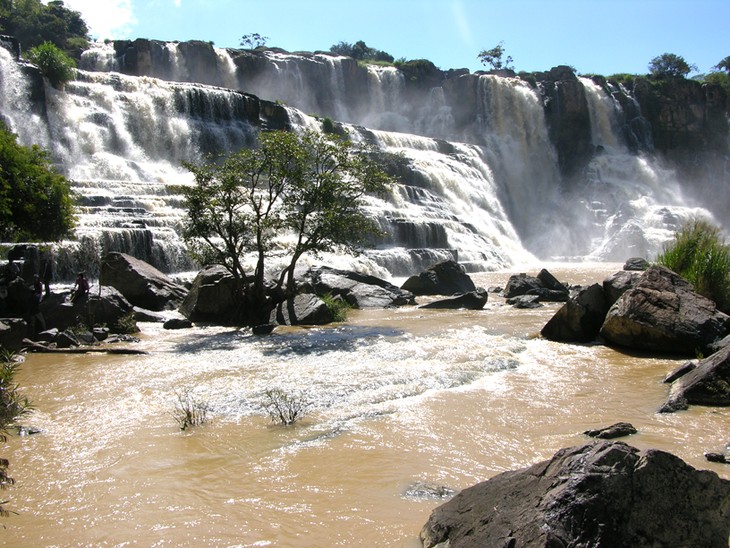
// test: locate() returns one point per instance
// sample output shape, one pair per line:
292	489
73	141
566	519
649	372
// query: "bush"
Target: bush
285	408
338	306
55	65
13	405
699	254
189	411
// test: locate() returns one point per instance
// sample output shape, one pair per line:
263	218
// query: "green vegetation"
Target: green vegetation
33	22
337	305
35	201
699	254
189	411
55	65
308	185
253	40
493	58
669	65
724	65
13	405
361	52
284	408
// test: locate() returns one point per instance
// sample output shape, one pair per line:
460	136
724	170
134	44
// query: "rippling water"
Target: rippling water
398	398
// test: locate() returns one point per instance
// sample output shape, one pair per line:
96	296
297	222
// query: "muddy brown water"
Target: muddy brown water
397	398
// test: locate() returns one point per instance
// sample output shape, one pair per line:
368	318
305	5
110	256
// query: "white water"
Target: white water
490	203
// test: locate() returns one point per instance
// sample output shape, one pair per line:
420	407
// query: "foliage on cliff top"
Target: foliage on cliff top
699	254
54	64
494	58
360	51
35	200
670	65
33	22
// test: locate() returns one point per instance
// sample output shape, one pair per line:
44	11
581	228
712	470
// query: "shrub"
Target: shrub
55	65
285	408
189	411
699	254
337	305
13	405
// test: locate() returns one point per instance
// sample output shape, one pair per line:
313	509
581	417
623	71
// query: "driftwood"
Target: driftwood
33	346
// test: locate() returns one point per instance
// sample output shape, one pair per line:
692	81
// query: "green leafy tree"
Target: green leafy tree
670	65
494	58
32	22
310	186
35	200
55	65
724	65
253	40
361	52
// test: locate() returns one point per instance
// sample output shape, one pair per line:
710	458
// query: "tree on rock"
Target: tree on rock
291	194
493	58
670	65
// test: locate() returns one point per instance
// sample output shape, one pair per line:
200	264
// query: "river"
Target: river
398	398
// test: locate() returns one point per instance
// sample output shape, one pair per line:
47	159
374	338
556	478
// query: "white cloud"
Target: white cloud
106	18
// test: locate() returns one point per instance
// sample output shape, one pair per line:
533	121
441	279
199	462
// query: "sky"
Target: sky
593	36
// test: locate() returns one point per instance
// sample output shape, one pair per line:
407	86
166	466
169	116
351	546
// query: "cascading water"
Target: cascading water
489	196
635	204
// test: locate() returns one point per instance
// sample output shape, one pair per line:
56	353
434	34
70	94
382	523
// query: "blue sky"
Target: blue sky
593	36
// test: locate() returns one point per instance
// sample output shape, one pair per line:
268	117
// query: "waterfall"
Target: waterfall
635	203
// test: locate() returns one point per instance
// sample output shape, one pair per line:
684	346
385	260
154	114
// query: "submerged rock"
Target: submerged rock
618	430
474	300
602	494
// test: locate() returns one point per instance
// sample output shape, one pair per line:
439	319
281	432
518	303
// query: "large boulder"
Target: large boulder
105	306
619	283
444	278
544	285
358	290
474	300
140	283
662	313
302	309
603	494
708	383
211	297
580	319
12	333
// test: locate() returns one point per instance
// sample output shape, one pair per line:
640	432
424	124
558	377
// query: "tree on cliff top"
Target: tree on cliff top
360	51
724	65
32	23
292	194
670	65
493	58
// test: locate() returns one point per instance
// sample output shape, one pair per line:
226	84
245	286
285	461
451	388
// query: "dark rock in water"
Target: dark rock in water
100	333
662	313
474	300
304	309
263	329
603	494
706	384
49	335
636	264
12	333
444	278
211	297
177	323
618	430
680	371
580	319
358	290
619	283
144	315
140	283
544	285
717	457
426	490
525	301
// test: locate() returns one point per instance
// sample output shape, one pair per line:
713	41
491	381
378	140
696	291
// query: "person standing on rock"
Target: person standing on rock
81	287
